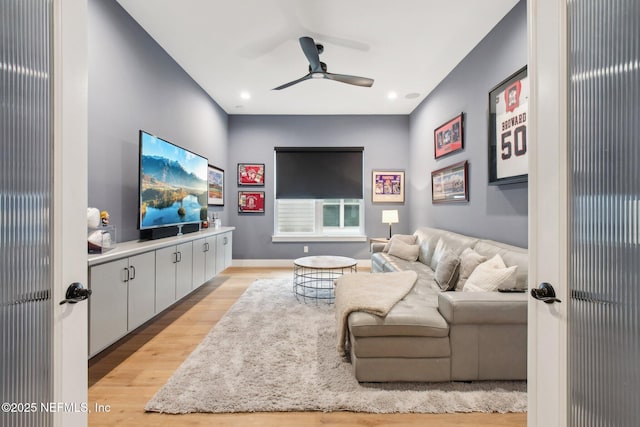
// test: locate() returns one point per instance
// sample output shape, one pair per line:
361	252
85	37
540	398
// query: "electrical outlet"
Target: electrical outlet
305	249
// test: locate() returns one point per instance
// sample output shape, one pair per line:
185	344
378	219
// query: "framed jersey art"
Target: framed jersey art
251	201
447	138
508	121
251	174
387	186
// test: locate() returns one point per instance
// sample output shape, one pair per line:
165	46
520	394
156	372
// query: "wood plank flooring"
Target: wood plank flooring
127	374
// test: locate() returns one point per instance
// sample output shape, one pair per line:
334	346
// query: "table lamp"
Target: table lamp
390	217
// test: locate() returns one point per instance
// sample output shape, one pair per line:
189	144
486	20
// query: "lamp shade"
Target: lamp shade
390	216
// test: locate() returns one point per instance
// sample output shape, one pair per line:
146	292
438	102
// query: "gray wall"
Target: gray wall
252	138
495	212
134	84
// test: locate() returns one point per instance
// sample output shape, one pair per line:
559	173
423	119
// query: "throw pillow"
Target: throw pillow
403	250
446	274
469	260
490	276
406	238
437	253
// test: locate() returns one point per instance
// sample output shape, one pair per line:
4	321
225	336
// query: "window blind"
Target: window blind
319	172
296	216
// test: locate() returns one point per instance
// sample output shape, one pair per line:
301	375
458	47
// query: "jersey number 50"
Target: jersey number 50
518	146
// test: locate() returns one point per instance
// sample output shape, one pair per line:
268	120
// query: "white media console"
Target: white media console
139	279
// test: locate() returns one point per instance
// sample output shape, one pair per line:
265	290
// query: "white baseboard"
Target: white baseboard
364	263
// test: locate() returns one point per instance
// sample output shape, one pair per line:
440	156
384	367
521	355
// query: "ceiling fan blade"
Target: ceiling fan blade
286	85
352	80
311	52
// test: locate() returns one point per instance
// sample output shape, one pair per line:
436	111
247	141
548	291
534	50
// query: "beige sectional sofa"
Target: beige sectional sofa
435	335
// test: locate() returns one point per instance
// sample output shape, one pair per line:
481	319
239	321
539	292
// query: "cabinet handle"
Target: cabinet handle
225	240
133	276
179	256
206	247
126	275
175	257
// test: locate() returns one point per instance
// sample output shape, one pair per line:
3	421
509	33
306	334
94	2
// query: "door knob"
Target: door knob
76	293
545	293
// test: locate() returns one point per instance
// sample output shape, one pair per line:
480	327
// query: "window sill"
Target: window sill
303	238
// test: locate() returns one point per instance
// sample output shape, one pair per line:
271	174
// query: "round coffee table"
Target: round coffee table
313	276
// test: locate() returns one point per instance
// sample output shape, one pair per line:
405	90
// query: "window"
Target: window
319	219
319	194
341	214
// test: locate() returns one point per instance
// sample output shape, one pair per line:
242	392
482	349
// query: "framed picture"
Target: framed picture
215	179
387	186
450	184
251	174
508	107
251	201
448	137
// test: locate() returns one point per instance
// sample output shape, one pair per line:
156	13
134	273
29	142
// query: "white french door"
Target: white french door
69	260
584	199
43	196
548	207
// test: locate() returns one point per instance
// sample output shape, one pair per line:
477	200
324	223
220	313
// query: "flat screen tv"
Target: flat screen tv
172	185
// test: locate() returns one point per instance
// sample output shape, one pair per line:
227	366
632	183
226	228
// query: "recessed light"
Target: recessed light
392	95
412	95
245	95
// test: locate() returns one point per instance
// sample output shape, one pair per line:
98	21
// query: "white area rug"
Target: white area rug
273	353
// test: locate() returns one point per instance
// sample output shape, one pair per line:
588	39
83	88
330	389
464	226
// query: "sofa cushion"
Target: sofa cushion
490	276
414	315
469	260
383	263
427	238
511	255
402	320
406	238
483	307
403	250
440	249
378	261
446	274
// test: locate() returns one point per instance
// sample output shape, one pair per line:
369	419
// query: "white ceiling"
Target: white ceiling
229	47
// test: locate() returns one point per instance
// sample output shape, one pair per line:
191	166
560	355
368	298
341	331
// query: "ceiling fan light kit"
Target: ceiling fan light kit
318	70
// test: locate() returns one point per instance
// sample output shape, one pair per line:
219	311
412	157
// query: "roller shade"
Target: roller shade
319	172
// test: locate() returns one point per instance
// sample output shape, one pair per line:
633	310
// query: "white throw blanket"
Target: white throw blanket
374	293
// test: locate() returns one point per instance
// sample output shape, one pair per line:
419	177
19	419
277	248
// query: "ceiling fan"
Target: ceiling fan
318	70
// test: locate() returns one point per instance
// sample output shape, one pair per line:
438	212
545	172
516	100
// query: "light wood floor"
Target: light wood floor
127	375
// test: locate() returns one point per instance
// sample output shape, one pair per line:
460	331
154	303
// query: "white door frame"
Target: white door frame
69	203
548	212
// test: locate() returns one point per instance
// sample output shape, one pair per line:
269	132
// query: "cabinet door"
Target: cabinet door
199	262
212	242
223	251
108	304
220	247
184	270
228	249
166	259
142	289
